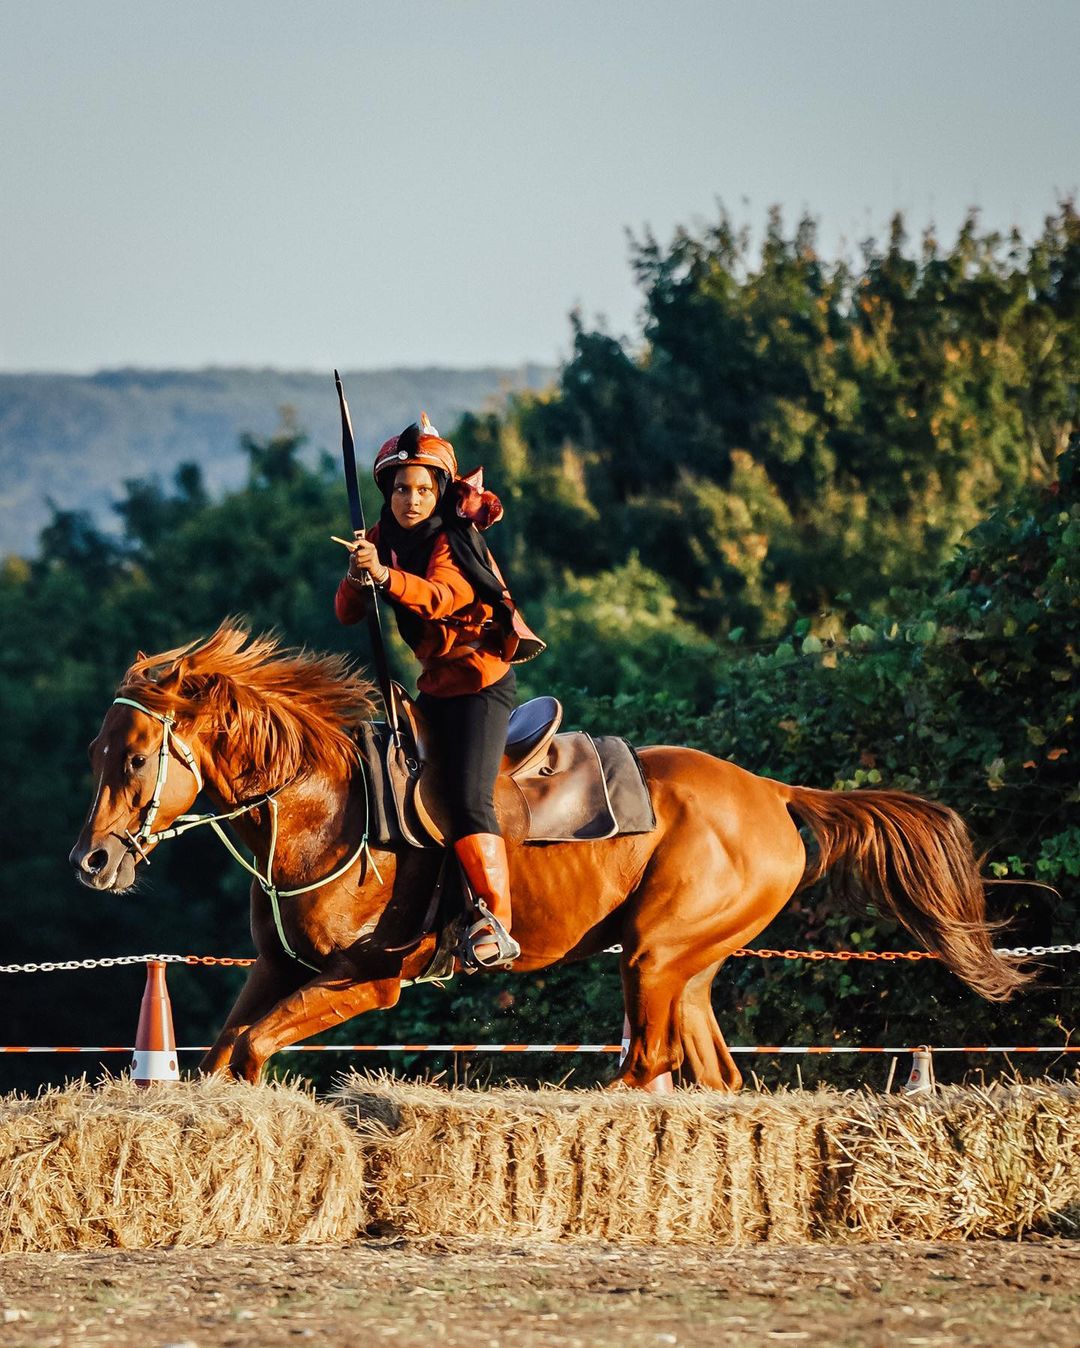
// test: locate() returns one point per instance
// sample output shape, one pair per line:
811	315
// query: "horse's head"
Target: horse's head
239	710
146	776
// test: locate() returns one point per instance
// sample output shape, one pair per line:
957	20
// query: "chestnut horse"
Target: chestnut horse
265	732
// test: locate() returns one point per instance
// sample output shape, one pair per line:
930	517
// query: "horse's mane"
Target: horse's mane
290	709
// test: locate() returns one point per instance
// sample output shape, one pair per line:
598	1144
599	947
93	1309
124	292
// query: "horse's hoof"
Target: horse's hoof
244	1064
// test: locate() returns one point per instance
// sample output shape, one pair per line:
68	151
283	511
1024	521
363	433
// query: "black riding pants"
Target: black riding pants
470	731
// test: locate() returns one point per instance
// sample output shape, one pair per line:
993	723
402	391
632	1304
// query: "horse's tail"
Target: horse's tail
914	859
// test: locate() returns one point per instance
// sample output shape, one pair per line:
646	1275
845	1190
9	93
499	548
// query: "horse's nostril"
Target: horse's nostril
96	861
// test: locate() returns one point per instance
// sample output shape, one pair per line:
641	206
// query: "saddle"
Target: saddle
570	787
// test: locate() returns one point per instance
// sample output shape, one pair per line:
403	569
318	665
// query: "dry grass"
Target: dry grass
185	1164
701	1166
204	1162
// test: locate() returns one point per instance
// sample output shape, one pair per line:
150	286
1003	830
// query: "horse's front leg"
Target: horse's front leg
329	999
268	982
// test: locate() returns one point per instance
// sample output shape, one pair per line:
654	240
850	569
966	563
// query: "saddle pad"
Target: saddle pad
628	790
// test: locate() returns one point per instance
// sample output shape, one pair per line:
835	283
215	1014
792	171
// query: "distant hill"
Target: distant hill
75	439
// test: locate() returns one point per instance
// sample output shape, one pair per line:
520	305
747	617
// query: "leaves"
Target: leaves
920	714
786	432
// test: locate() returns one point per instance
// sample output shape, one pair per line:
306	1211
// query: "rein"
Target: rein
139	842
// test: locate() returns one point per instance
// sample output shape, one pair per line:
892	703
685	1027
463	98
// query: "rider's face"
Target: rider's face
413	498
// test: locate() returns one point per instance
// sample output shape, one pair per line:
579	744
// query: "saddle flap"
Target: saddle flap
567	797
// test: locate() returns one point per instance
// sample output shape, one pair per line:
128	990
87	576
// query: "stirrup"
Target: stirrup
487	930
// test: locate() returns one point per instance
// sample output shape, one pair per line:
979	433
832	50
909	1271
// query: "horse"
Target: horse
268	733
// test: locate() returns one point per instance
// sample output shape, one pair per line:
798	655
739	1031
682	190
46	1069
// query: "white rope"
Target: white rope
771	1050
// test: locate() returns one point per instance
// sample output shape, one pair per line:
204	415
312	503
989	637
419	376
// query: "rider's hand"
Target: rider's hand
364	561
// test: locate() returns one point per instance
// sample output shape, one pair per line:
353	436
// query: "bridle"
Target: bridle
138	843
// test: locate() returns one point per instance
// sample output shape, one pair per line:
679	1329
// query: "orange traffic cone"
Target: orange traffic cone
661	1085
155	1042
921	1079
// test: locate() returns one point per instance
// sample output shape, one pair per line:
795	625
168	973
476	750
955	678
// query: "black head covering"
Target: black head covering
410	549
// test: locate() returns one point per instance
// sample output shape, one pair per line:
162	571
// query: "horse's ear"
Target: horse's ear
175	677
140	656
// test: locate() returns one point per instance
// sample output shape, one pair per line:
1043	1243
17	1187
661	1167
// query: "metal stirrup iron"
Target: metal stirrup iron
487	930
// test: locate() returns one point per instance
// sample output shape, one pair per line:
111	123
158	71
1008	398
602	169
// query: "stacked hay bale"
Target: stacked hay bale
195	1163
187	1163
966	1162
701	1166
552	1164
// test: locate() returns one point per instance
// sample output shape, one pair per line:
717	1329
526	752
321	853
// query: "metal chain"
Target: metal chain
107	962
241	962
226	961
1028	950
746	953
1020	952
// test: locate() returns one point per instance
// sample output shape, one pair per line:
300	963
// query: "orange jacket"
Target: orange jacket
460	632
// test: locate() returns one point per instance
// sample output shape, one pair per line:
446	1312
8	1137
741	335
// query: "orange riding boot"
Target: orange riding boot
483	859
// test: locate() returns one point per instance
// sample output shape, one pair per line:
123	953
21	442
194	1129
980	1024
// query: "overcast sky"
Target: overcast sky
409	182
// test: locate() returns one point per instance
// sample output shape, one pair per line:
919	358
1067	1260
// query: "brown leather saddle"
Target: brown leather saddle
552	787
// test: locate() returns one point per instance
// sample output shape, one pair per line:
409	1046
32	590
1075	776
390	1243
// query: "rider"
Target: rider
453	609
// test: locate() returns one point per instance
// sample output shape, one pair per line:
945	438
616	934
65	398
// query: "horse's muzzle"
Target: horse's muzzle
108	865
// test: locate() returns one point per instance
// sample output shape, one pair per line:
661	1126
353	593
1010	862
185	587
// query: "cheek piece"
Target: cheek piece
138	842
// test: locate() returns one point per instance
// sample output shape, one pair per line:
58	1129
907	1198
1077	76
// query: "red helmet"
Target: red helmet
417	444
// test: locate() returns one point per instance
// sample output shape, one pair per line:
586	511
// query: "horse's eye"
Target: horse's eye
138	761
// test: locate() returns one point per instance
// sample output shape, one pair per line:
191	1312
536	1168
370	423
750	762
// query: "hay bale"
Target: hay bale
199	1162
701	1166
554	1164
191	1163
966	1162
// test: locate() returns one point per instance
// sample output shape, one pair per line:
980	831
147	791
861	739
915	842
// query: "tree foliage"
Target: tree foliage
972	698
789	431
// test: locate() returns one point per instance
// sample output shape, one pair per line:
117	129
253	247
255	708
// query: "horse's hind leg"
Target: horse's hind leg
706	1054
697	903
727	857
673	1025
687	915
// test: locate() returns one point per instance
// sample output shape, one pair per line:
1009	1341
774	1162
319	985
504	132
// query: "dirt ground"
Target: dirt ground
483	1295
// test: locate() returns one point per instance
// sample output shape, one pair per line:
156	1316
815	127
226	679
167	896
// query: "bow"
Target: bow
356	513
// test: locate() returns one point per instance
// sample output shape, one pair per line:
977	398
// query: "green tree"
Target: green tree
789	431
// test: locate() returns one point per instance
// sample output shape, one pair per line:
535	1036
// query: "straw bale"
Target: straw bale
704	1166
966	1162
199	1162
555	1164
189	1163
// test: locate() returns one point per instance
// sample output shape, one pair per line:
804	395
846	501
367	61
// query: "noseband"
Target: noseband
137	843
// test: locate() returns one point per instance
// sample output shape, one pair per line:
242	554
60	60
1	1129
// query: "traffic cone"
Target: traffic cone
661	1085
155	1042
921	1079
